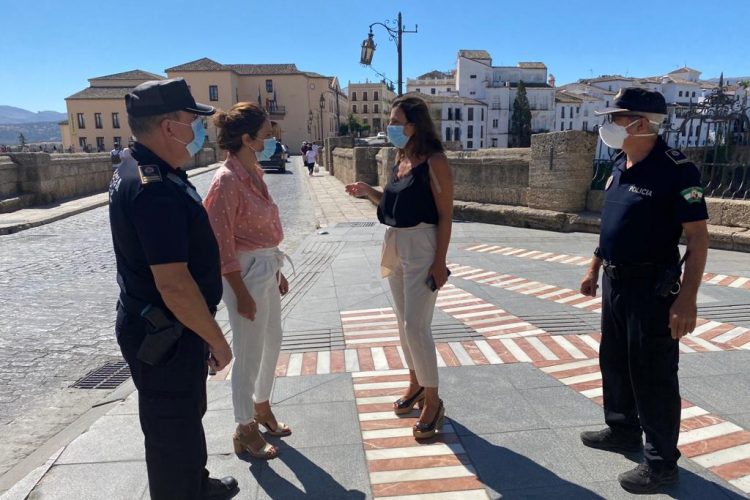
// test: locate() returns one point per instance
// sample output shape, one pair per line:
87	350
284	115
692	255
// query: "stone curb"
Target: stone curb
86	203
720	237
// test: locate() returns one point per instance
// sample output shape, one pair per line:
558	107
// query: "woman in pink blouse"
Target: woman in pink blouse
247	226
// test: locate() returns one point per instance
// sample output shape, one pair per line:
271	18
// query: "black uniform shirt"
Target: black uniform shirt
156	221
645	206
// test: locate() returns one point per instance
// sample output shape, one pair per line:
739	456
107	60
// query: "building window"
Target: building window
99	144
450	113
570	125
680	93
458	114
82	143
419	90
494	142
693	93
472	93
470	131
354	108
449	89
213	92
364	120
115	120
364	108
495	123
81	120
376	108
585	126
481	144
585	111
117	140
578	109
482	114
481	131
606	104
375	96
269	85
471	114
469	144
432	91
562	112
447	133
376	124
457	134
562	126
98	120
473	77
354	96
364	96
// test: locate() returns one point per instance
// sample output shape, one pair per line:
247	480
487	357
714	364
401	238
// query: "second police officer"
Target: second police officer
652	196
169	274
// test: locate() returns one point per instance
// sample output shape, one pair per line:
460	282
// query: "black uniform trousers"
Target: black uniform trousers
638	360
171	405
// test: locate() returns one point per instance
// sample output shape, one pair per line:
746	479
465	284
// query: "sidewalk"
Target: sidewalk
517	348
26	218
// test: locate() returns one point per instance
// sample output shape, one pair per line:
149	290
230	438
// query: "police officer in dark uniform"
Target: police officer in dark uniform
168	269
654	194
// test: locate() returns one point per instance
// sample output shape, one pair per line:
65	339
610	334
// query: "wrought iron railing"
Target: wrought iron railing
726	180
602	171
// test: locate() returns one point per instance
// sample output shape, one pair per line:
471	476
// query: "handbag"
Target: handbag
316	169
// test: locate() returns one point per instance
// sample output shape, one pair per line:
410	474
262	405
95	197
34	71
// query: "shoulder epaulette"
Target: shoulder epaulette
149	174
677	156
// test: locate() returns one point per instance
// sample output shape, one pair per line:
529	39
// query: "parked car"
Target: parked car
382	135
278	160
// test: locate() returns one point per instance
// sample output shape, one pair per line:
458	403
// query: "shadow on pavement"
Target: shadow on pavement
510	475
316	482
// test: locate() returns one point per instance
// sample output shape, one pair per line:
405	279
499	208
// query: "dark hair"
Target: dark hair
242	118
425	141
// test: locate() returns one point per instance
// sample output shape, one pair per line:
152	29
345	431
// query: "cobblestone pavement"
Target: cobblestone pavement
57	297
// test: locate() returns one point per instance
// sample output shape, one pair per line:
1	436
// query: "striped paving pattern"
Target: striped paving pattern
370	327
707	336
578	260
710	441
399	466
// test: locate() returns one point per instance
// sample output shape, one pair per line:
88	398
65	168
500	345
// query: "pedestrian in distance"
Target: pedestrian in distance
417	207
648	303
169	273
311	156
247	226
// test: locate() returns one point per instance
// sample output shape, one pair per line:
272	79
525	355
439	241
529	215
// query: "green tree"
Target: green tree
520	120
356	125
344	129
22	140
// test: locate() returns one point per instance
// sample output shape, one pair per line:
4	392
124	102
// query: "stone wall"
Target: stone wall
41	178
356	164
560	170
499	176
329	145
343	164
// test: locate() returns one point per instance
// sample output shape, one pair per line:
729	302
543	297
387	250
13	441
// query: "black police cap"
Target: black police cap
636	99
158	97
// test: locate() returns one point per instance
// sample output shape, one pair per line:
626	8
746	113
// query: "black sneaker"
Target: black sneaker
605	439
645	479
220	489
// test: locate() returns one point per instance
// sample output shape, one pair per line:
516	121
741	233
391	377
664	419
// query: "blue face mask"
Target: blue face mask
199	136
396	136
269	148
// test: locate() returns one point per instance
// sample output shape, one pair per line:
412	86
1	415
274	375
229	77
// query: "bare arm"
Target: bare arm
360	189
684	311
442	190
183	297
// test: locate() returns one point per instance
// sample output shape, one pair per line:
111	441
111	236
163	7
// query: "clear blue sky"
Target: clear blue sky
50	48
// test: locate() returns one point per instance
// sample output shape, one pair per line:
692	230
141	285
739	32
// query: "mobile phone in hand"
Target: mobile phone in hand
430	281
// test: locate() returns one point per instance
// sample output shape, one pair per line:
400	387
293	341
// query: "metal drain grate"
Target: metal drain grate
726	313
452	332
109	376
323	339
565	323
355	224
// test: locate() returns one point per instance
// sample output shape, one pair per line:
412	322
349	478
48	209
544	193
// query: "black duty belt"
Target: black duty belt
134	306
646	270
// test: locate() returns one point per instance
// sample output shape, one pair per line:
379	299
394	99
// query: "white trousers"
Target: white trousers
414	301
255	344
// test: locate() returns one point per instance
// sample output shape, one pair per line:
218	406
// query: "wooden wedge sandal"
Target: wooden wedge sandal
404	406
425	431
252	441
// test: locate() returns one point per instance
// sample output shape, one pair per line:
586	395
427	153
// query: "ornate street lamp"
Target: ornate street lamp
368	46
322	106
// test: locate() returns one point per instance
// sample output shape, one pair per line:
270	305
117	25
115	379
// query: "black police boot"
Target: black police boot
646	479
219	489
606	439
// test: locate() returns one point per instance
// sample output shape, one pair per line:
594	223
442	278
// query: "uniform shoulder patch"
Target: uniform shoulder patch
149	174
677	156
692	194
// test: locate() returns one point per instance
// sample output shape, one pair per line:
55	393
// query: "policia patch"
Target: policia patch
149	174
692	194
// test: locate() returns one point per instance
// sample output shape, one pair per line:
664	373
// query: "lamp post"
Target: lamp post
368	47
309	122
322	107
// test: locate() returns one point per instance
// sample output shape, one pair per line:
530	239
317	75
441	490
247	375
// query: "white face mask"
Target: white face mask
614	135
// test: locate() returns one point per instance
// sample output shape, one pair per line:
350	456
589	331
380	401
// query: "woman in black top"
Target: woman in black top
417	205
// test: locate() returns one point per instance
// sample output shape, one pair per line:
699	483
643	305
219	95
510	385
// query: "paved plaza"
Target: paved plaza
517	348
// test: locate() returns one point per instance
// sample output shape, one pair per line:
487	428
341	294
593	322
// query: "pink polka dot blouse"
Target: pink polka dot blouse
242	213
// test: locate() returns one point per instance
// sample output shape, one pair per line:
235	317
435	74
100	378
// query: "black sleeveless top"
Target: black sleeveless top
408	201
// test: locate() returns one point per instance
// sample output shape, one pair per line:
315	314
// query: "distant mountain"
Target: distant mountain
731	80
33	132
13	115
